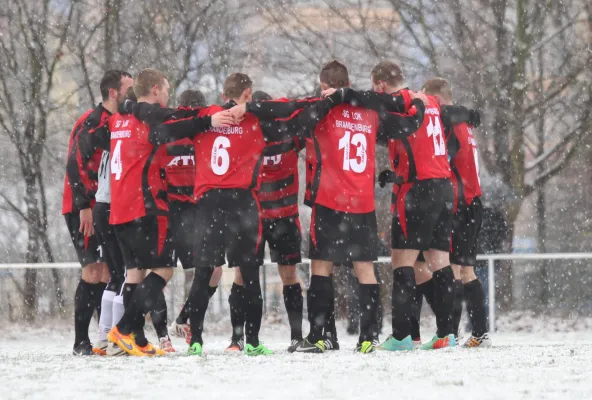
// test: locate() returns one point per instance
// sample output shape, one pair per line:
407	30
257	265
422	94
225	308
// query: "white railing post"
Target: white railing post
491	291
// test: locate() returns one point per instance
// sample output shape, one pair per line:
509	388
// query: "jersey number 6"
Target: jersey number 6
220	161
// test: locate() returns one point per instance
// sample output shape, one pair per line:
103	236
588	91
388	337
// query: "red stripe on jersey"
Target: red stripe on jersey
86	241
260	226
278	193
313	235
405	188
465	164
163	227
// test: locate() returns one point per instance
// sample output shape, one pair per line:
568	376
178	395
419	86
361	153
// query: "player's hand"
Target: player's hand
419	95
238	112
86	222
386	176
474	118
222	118
328	92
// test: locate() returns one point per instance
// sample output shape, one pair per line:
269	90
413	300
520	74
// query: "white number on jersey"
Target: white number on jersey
220	161
116	166
358	163
435	131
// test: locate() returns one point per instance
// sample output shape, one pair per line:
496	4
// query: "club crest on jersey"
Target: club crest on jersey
182	161
121	124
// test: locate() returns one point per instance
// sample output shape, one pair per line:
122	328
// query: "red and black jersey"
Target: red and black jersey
80	183
278	194
465	164
180	170
134	136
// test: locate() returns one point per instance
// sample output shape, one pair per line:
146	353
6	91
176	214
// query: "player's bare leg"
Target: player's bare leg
294	303
444	293
475	297
369	301
403	296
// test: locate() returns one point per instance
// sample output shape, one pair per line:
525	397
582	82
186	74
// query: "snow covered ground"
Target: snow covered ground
36	364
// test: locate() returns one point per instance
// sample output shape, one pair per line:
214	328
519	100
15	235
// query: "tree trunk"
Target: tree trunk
33	253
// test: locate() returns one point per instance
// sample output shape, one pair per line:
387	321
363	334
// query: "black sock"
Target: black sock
159	316
294	303
369	299
252	304
330	328
402	301
457	309
198	302
237	314
444	292
98	291
427	290
319	297
127	322
475	296
128	293
212	291
416	315
84	307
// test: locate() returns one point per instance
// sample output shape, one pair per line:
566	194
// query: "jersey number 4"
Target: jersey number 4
358	163
220	160
116	166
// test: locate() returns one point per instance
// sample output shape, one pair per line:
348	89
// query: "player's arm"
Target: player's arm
271	110
452	142
400	125
173	130
302	122
452	115
377	101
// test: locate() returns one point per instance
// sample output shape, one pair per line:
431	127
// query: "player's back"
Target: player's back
179	164
345	147
423	155
230	157
137	188
465	163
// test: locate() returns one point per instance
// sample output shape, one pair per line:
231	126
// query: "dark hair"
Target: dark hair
260	95
387	71
112	80
438	86
130	94
192	98
334	74
236	84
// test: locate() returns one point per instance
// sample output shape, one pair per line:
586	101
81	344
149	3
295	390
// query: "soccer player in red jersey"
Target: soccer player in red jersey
80	186
422	218
468	214
139	208
228	164
343	222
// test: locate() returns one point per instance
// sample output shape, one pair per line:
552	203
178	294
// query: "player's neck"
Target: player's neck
147	99
239	101
110	105
394	89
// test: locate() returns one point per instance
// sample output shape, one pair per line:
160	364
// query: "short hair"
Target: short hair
334	74
438	86
112	80
236	84
260	95
130	94
387	71
146	80
192	98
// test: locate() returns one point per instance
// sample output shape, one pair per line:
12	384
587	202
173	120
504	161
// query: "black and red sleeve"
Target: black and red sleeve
176	129
400	125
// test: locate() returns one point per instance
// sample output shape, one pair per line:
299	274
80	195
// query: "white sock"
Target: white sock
118	309
106	314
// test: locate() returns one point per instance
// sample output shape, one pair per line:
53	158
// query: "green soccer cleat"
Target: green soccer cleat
260	350
195	349
392	344
365	347
440	343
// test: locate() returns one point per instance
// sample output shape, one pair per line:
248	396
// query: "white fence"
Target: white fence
490	258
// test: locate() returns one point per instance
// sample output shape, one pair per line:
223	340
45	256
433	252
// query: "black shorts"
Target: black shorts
466	225
228	226
422	218
284	237
340	236
182	215
87	248
146	242
110	251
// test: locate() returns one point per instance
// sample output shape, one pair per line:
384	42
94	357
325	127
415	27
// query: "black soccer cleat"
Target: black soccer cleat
83	348
331	344
308	347
294	345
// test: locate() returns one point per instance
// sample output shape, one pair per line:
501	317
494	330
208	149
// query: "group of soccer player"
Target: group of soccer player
148	186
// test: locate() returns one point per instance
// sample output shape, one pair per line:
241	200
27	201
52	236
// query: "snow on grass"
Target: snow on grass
36	363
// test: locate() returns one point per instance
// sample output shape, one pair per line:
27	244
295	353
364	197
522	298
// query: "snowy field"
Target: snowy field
36	364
